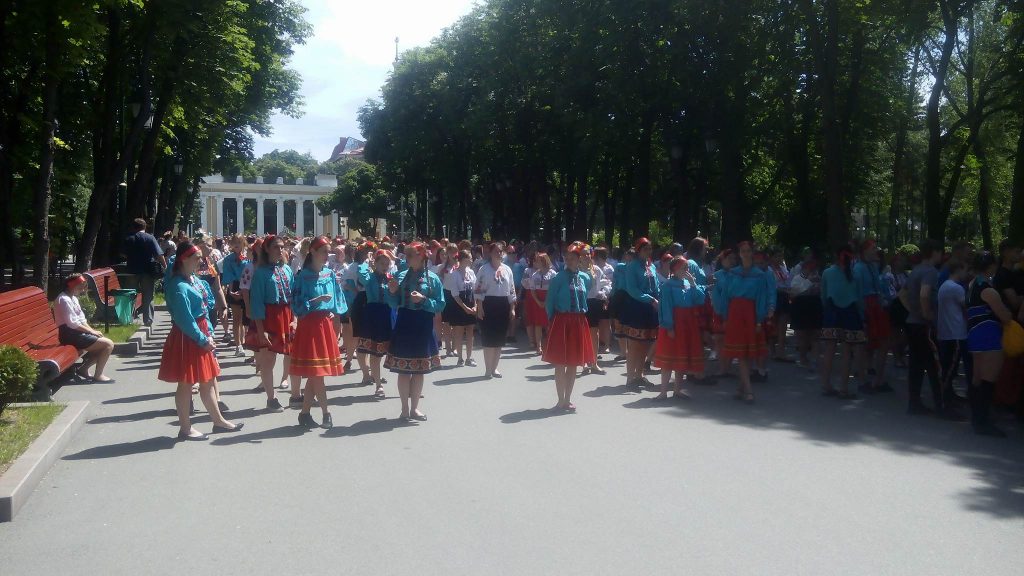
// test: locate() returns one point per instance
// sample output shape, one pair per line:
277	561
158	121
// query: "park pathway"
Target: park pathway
494	483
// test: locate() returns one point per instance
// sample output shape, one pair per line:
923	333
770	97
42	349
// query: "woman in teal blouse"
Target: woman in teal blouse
418	295
273	320
316	301
569	345
188	351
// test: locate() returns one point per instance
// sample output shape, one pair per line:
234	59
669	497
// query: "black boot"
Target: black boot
981	418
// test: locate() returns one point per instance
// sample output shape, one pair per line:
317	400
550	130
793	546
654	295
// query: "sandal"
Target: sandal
380	394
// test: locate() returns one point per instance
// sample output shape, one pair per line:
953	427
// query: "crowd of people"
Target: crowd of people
696	315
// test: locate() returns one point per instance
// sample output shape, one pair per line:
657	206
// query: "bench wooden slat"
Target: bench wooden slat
26	321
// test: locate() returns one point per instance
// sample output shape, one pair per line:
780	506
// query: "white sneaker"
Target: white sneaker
239	352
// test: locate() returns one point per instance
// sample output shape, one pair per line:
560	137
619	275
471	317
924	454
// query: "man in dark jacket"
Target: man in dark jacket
143	252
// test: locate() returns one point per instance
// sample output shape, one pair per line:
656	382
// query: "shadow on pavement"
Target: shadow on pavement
534	414
139	398
365	427
137	417
601	391
463	380
124	449
229	439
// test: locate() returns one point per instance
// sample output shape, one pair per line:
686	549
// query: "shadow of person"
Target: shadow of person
293	431
601	391
534	414
365	427
154	444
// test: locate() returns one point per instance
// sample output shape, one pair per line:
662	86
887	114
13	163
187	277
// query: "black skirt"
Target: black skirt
356	316
456	315
449	307
494	326
805	312
68	336
596	311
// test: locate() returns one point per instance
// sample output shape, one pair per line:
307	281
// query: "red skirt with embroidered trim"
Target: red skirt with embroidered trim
536	314
685	350
743	337
878	326
314	350
277	325
569	342
184	361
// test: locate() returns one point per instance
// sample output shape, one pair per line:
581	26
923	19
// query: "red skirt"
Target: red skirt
877	320
707	312
184	361
743	337
277	325
569	342
315	347
536	314
717	324
685	351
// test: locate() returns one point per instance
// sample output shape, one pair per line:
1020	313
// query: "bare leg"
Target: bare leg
828	356
666	375
295	381
210	402
363	365
266	359
183	404
844	368
745	387
99	353
567	383
469	342
560	385
415	391
403	393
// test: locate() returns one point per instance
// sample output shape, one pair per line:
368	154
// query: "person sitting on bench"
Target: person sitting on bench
73	330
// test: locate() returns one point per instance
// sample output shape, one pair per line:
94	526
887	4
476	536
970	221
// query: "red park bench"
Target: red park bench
26	321
99	281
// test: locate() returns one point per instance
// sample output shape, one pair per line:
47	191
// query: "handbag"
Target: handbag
1013	339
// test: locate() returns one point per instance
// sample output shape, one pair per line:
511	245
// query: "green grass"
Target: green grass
20	426
158	299
118	333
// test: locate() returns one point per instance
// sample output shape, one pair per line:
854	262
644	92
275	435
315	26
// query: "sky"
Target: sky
346	61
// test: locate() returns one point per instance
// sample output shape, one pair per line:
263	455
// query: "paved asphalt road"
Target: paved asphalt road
496	484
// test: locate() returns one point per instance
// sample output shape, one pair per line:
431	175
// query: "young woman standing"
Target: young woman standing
495	306
379	316
340	266
743	305
450	263
316	300
842	321
358	278
680	346
597	304
188	351
726	262
986	315
805	311
569	344
536	314
418	295
73	330
271	333
876	320
600	256
639	315
232	266
460	283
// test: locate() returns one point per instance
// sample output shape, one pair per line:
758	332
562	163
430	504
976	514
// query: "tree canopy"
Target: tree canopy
792	121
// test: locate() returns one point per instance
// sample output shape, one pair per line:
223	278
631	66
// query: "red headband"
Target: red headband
677	262
72	284
318	242
382	253
640	243
419	247
190	251
269	239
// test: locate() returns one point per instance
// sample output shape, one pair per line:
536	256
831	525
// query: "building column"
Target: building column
219	201
204	203
280	216
239	215
300	220
318	222
259	216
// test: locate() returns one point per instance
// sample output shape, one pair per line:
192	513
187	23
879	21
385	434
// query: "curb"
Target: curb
25	474
134	343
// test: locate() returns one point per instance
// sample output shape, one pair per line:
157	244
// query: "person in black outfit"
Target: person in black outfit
146	261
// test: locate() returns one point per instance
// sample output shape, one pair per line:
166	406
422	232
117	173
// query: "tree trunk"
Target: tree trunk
933	165
1016	231
41	200
984	192
900	153
642	202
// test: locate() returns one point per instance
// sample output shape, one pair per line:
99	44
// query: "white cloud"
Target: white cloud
347	60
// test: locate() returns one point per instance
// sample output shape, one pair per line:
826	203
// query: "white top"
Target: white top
456	281
68	312
245	280
600	285
352	273
782	276
495	283
539	280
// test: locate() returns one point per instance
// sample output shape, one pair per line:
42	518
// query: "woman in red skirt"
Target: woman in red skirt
726	261
273	321
868	274
680	347
188	352
537	286
742	302
569	345
316	300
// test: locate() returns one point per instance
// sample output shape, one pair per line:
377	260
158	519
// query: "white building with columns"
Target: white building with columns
262	208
